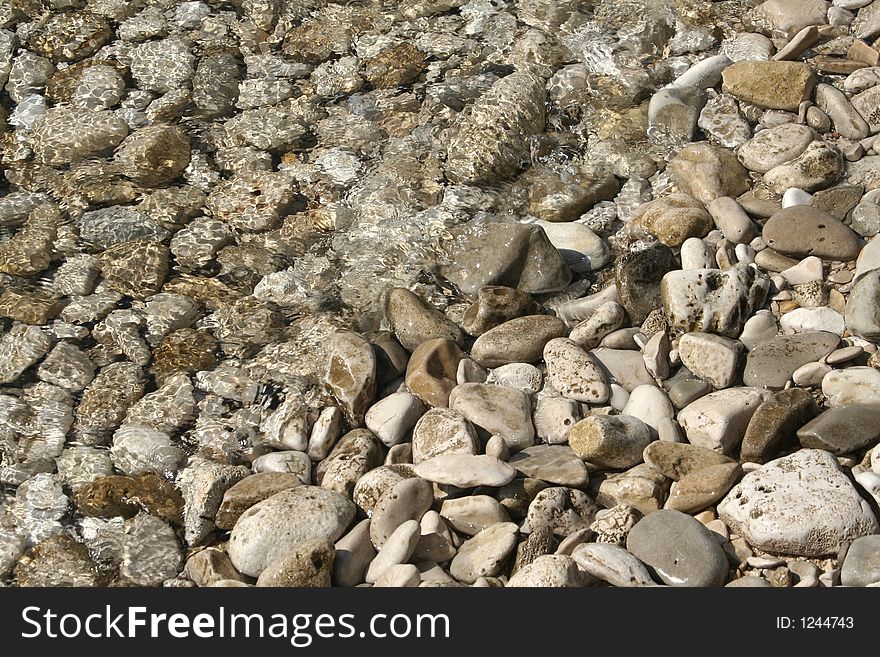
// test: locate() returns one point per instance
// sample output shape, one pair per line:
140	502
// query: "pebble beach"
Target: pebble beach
440	293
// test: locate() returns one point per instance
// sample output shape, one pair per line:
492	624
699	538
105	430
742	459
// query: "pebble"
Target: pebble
853	385
816	168
844	429
494	306
612	564
519	340
771	84
351	374
397	549
719	420
354	553
442	431
371	486
466	470
574	373
520	376
673	219
807	270
549	570
404	575
609	317
775	421
772	362
554	417
861	566
505	412
679	549
309	564
582	250
637	275
555	464
392	418
705	172
484	555
698	490
808	506
413	321
563	510
804	231
624	367
812	320
679	460
471	515
651	405
432	370
408	499
242	495
609	441
731	220
711	357
861	314
749	581
775	146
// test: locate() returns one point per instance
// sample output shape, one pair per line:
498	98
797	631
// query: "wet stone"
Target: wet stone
638	276
431	372
126	496
494	306
842	430
774	424
414	321
56	561
255	488
772	362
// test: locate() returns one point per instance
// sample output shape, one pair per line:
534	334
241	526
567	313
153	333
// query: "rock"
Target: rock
711	300
718	421
641	487
554	417
442	431
397	549
414	321
610	441
679	549
471	515
496	410
309	564
612	564
844	429
407	500
801	504
150	552
371	486
776	146
638	275
154	155
549	570
392	418
496	305
138	450
356	453
803	231
673	219
861	566
863	306
844	117
655	355
651	405
519	340
563	196
758	328
483	256
564	510
466	470
772	362
679	460
853	385
431	371
698	490
350	374
555	464
520	376
136	268
674	111
608	317
770	84
705	172
732	221
243	495
867	22
271	528
791	16
573	372
404	575
391	357
210	565
354	552
722	120
749	581
811	320
582	250
56	561
820	165
484	555
774	424
97	132
711	357
204	484
623	366
68	367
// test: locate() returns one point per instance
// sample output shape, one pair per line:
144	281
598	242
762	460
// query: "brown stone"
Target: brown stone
250	490
770	84
414	321
802	230
705	172
673	219
520	340
309	564
121	495
430	374
678	460
699	489
351	374
775	423
495	305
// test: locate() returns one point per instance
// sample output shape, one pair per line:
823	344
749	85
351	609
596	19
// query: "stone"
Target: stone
758	328
554	417
861	565
563	510
271	528
801	505
623	366
203	483
354	552
867	22
808	270
556	196
582	250
138	450
549	570
555	464
719	420
610	441
119	495
774	424
520	376
243	495
838	200
574	373
732	221
483	256
673	219
392	418
497	411
210	565
792	16
356	453
853	385
612	564
609	317
485	554
811	320
722	120
771	84
638	275
409	499
775	146
749	581
862	313
494	306
711	300
819	166
845	119
391	357
711	357
154	155
96	132
413	321
679	460
651	405
372	485
772	362
309	564
150	552
695	253
679	549
442	431
804	231
58	560
403	575
397	549
432	371
641	487
844	429
674	111
705	172
137	268
698	490
519	340
350	373
471	515
466	470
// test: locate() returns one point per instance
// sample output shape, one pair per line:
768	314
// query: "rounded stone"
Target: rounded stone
610	441
442	431
574	373
519	340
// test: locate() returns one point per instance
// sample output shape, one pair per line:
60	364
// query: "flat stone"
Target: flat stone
623	366
271	528
819	166
698	490
610	441
673	219
711	357
838	200
496	410
641	487
772	362
549	570
811	320
775	146
249	491
722	120
555	464
485	554
791	16
472	514
801	505
770	84
844	429
846	120
608	317
804	231
496	305
432	371
861	566
774	424
582	250
519	340
679	549
718	421
393	417
638	275
612	564
414	321
397	549
574	373
679	460
351	374
466	470
862	312
442	431
852	385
